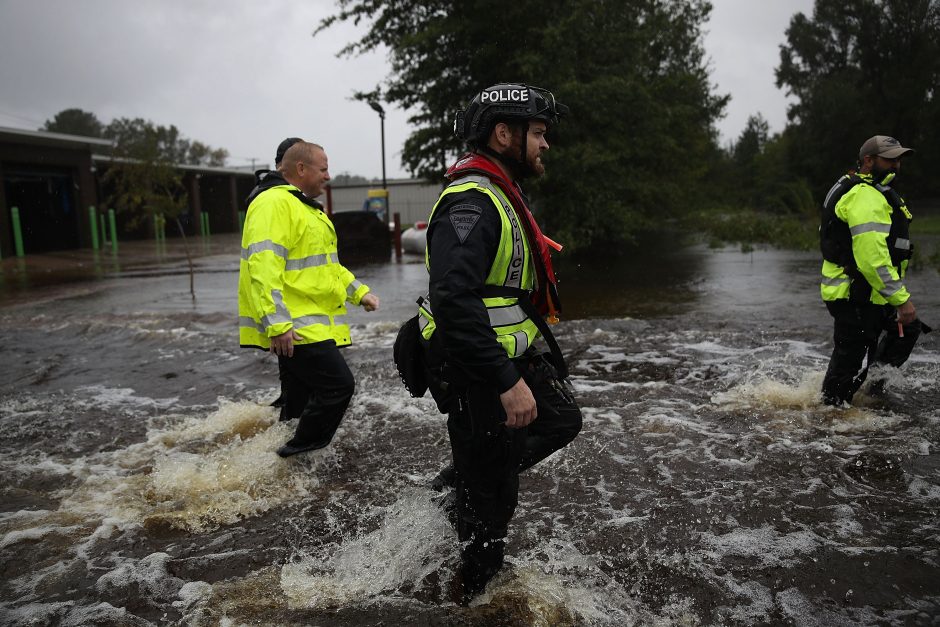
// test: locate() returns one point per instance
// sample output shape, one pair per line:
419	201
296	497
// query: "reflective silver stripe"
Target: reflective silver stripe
280	315
903	244
522	342
505	316
267	321
306	321
309	262
422	322
892	285
351	289
299	323
832	190
248	323
834	282
870	227
425	301
517	259
267	244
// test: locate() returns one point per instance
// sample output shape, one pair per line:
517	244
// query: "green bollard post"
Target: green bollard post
17	231
113	225
94	227
104	231
205	217
241	221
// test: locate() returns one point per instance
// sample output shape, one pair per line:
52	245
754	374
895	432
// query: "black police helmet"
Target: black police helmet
505	102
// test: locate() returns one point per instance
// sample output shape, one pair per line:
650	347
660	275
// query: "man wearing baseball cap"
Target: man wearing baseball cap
866	247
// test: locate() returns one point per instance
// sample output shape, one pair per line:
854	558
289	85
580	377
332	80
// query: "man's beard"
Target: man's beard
878	175
529	168
536	166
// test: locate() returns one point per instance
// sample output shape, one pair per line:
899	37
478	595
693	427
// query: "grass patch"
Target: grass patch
748	228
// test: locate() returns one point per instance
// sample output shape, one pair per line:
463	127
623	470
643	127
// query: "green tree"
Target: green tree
345	178
634	149
198	153
142	178
138	136
75	122
751	142
144	138
857	70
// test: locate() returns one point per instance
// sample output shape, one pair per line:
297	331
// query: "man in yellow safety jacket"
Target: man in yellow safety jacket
292	292
491	283
866	247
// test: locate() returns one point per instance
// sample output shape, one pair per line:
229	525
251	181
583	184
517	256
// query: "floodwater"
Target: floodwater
140	486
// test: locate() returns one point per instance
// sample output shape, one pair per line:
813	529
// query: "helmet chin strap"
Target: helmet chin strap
515	167
518	167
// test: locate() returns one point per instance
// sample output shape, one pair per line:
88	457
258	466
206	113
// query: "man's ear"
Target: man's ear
503	134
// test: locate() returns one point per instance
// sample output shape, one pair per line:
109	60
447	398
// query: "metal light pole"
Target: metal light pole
397	219
378	109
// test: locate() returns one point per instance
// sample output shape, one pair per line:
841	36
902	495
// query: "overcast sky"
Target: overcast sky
242	75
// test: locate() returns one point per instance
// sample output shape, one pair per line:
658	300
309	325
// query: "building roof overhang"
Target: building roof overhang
54	140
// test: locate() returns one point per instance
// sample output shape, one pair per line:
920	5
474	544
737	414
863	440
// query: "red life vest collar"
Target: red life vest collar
545	297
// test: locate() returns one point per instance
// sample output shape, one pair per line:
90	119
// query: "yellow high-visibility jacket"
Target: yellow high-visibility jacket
289	276
866	211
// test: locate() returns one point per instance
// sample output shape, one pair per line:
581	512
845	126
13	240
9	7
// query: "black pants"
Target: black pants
488	457
291	400
318	386
856	334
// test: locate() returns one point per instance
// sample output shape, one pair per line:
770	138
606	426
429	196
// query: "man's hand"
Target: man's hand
906	313
283	344
519	405
370	302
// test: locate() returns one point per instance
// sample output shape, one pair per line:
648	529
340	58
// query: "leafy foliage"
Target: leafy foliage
752	227
75	122
142	139
871	68
138	137
345	178
143	178
632	152
142	181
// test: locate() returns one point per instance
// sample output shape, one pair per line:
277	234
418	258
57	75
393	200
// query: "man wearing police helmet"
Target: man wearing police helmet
491	287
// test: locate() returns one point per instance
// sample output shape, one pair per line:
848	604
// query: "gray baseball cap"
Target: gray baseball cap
883	146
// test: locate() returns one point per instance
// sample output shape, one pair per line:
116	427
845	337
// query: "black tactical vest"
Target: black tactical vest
835	240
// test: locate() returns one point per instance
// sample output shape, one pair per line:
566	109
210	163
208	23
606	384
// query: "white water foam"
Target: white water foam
413	540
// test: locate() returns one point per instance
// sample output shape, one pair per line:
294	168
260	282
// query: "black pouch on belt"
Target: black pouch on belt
409	358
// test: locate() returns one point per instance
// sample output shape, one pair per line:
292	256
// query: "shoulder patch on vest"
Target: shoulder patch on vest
464	218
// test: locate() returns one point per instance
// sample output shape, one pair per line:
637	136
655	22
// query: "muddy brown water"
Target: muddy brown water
709	486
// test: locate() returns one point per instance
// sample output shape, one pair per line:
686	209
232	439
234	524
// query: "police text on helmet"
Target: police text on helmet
505	95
